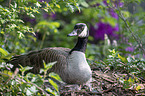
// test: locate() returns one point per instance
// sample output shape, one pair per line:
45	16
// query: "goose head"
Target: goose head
80	30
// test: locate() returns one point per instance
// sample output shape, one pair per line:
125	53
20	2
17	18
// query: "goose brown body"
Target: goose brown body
35	58
71	64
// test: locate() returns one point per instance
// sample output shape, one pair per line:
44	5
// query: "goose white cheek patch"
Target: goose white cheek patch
83	33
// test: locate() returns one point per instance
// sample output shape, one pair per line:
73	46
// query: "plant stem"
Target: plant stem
34	85
43	38
128	27
136	39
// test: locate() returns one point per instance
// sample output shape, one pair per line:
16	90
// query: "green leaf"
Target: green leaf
130	59
52	92
122	58
57	5
126	84
54	85
28	92
56	24
3	51
131	80
55	76
83	3
126	14
23	86
138	87
27	68
38	5
8	72
44	64
108	19
21	35
70	7
23	69
31	15
33	89
47	66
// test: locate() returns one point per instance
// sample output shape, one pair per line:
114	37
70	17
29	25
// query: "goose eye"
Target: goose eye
82	27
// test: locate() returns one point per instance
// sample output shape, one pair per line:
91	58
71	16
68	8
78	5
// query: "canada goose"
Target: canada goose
71	64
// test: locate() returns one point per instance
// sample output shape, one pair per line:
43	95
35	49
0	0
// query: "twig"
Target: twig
128	27
122	63
137	39
4	74
109	89
15	73
34	85
104	63
10	77
9	3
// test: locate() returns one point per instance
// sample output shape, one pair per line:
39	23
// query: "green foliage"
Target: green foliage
134	67
15	31
25	84
17	35
129	64
24	27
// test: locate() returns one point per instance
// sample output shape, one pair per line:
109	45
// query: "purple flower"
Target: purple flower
117	3
44	1
41	0
113	14
143	55
103	28
53	15
31	20
46	15
105	2
129	49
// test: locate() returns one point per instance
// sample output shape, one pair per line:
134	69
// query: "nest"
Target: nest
107	83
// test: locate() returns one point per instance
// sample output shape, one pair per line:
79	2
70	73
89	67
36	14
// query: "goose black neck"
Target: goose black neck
81	45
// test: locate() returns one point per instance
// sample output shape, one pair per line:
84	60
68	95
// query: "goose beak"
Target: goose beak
73	33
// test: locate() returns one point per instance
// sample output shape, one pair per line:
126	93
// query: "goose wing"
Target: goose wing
35	58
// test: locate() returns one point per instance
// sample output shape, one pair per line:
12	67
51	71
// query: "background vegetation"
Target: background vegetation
116	41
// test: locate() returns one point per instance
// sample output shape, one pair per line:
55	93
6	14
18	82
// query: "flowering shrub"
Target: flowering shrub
102	28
